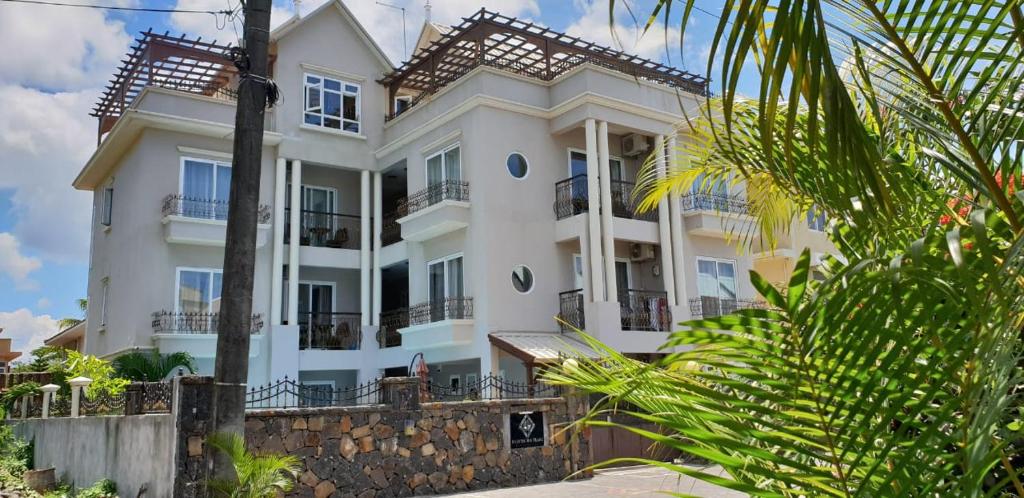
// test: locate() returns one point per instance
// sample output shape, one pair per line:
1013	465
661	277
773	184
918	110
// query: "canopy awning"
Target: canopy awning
541	347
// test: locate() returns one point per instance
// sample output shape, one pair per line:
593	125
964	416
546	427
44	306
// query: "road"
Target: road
641	482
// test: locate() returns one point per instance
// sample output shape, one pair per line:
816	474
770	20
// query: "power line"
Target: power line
114	7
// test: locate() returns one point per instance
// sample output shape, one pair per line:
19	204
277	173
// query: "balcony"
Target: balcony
709	307
390	229
390	322
570	310
434	211
571	198
189	220
322	229
645	310
439	323
716	215
330	331
196	333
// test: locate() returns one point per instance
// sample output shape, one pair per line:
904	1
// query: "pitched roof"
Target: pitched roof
541	347
295	21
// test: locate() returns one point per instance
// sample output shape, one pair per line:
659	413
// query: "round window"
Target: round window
516	164
522	279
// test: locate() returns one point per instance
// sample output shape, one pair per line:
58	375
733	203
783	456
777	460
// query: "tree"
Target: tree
255	476
68	322
898	375
152	367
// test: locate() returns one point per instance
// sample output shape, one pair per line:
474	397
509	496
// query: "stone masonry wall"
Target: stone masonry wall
438	448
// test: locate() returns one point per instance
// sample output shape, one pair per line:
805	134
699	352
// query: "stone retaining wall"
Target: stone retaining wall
439	448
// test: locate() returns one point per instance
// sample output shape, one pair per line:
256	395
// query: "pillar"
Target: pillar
676	228
378	220
607	236
364	247
593	209
48	391
277	260
77	385
664	226
294	244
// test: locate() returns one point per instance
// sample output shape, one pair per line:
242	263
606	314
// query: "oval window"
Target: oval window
522	279
516	164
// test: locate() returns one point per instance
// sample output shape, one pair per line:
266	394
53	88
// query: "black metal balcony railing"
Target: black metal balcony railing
713	202
570	310
571	197
322	229
207	209
707	306
623	204
452	308
338	331
644	310
449	190
183	322
390	322
390	229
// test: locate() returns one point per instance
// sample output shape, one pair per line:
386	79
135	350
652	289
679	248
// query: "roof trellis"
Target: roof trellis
184	64
491	39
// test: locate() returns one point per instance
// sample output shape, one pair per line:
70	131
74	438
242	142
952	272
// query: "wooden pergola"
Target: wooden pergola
491	39
188	65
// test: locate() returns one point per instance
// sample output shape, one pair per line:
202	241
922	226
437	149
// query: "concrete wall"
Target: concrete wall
134	451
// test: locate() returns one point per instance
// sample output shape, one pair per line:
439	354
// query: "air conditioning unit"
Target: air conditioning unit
634	145
641	252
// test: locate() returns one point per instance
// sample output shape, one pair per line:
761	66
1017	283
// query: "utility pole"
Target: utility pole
232	363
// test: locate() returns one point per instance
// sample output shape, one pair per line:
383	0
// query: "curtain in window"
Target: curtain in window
194	292
434	171
197	180
726	281
452	165
455	278
223	191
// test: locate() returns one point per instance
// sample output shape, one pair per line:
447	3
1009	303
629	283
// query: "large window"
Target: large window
331	103
716	284
445	166
815	220
198	290
444	278
205	188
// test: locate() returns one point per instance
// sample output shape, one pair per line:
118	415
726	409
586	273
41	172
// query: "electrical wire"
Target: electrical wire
114	7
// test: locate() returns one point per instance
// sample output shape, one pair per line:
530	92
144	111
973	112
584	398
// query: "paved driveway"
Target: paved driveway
631	482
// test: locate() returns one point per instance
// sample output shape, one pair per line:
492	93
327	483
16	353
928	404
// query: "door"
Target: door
716	284
623	279
316	305
445	288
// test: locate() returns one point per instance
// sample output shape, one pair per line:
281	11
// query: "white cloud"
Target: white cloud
16	265
45	139
43	303
656	44
27	330
59	48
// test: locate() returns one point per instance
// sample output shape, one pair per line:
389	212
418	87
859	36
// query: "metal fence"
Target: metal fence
290	393
136	399
644	310
340	331
449	190
624	205
717	203
452	308
570	310
323	229
169	322
707	307
571	197
490	388
207	209
390	322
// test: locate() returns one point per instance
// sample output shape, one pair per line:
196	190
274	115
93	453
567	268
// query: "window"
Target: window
198	290
453	381
720	188
319	199
445	166
815	220
331	103
444	283
516	164
104	297
402	104
578	165
315	299
205	188
716	284
522	279
107	206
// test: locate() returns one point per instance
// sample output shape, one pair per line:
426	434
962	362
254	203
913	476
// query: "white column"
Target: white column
585	263
364	247
277	264
676	226
48	391
294	244
77	385
607	236
378	219
664	225
594	208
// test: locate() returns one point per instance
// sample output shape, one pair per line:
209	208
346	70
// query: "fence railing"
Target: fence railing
571	197
322	229
449	190
289	393
340	331
206	209
181	322
707	307
712	202
625	206
492	387
452	308
390	229
390	322
570	310
136	399
644	310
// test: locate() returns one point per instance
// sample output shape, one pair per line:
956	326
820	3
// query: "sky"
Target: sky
59	59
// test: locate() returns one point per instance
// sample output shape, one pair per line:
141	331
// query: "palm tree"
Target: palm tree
897	375
153	366
256	476
68	322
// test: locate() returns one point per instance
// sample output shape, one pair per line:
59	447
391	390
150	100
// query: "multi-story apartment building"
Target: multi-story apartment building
452	206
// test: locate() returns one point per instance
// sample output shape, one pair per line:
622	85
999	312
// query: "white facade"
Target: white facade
367	218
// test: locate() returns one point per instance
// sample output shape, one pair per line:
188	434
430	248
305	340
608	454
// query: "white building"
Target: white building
441	207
